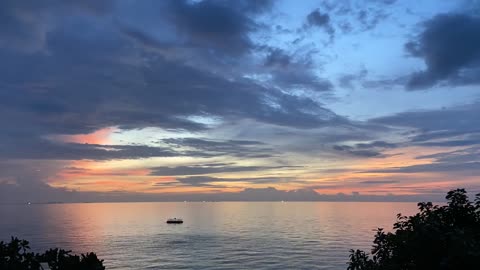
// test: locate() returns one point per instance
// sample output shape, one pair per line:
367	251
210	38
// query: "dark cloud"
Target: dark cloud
238	148
440	124
378	182
433	167
24	24
277	58
272	194
111	50
294	72
439	135
450	46
75	67
448	127
471	154
350	16
219	27
372	149
385	83
461	162
64	91
297	78
321	20
376	144
255	6
69	68
347	80
198	180
369	19
213	24
209	181
210	169
21	172
388	2
45	149
318	19
88	82
452	143
15	194
354	152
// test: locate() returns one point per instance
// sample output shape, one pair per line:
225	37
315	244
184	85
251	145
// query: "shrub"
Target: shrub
438	237
16	256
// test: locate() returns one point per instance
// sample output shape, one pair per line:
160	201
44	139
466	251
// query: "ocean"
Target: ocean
215	235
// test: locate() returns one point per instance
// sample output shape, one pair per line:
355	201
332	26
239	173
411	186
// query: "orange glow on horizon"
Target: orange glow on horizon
352	176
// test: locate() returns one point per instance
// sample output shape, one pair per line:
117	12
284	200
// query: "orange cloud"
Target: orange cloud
101	136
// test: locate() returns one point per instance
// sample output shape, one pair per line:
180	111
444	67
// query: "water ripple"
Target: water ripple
214	236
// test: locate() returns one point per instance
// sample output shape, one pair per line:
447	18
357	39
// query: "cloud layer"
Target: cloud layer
239	99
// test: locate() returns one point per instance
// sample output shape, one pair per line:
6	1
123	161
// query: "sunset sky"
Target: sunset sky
176	99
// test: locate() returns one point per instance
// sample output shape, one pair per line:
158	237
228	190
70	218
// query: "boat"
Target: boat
174	221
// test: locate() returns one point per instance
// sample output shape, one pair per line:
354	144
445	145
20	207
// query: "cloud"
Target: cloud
13	194
449	44
272	194
433	167
371	149
461	162
321	20
209	181
439	126
24	25
376	144
220	27
44	149
448	127
210	169
158	71
277	58
350	16
352	151
77	97
198	181
75	67
369	19
294	72
471	154
315	18
215	24
452	143
378	182
347	80
63	92
237	148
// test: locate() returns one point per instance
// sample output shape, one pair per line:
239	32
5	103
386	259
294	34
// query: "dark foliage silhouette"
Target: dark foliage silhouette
438	237
16	256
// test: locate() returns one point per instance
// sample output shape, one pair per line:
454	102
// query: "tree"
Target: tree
438	237
16	256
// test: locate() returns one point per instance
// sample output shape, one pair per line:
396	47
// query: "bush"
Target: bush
16	256
438	237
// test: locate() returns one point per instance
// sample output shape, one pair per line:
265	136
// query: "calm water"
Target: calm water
220	235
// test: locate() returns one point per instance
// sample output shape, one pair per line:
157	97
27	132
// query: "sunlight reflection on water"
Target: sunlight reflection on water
215	235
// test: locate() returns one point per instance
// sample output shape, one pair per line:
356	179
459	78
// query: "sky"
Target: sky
238	100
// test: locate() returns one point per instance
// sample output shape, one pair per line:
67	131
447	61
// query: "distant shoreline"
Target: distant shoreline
231	201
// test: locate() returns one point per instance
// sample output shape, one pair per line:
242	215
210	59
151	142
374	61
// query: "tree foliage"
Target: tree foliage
15	255
437	237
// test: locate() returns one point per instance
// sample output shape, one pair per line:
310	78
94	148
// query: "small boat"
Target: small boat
174	221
